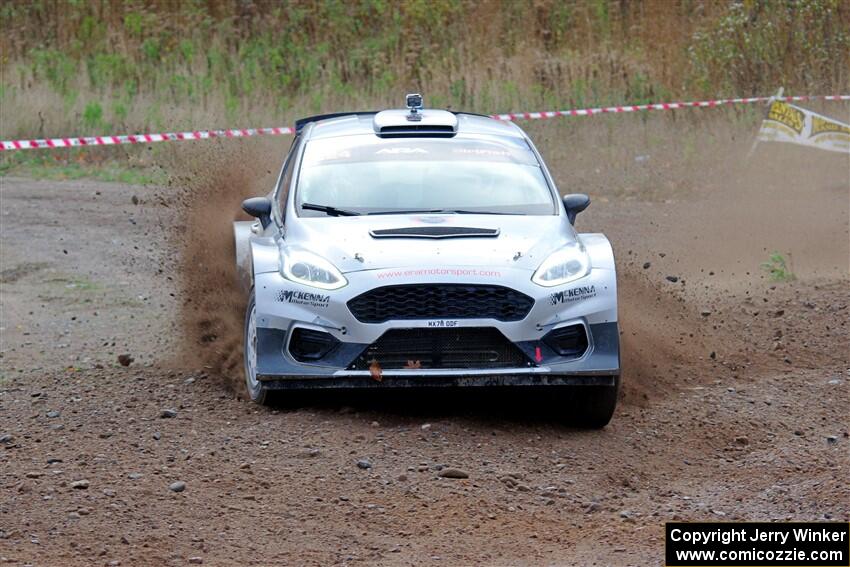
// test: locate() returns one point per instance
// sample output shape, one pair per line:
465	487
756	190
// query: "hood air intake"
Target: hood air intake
434	232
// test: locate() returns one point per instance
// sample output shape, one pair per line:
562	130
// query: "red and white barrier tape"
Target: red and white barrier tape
141	138
659	106
245	132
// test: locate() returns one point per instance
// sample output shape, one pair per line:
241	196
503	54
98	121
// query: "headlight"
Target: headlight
307	268
565	265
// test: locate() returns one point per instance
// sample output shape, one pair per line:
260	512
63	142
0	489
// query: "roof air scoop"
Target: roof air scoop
415	121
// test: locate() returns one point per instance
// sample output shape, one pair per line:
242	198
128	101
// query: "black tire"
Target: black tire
256	392
592	407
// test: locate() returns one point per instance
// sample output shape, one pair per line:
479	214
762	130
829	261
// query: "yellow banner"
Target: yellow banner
792	124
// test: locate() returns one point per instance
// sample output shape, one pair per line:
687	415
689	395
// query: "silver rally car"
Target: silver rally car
425	248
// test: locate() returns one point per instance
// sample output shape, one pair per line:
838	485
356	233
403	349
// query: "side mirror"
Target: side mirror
575	203
259	207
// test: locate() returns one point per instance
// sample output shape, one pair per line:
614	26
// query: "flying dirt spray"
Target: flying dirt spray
210	184
783	200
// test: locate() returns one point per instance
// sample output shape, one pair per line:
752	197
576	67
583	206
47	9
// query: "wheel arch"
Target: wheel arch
242	231
600	250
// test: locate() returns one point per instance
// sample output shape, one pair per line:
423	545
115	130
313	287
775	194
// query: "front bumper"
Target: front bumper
597	367
283	307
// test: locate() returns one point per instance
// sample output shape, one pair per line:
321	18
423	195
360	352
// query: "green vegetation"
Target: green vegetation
778	268
79	283
55	166
141	65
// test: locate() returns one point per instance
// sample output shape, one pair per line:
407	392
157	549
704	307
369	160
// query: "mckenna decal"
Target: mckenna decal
303	298
574	294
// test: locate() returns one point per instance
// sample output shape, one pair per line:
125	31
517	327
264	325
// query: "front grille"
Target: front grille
440	301
464	348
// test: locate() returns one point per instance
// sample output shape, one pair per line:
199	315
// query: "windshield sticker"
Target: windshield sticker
574	294
303	298
345	150
481	152
330	155
396	151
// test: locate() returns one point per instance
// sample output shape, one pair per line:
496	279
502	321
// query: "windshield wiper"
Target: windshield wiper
405	212
328	210
438	211
464	212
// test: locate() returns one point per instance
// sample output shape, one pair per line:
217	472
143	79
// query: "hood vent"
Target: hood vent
417	130
435	232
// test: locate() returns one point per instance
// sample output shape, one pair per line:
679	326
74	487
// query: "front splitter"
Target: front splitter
435	381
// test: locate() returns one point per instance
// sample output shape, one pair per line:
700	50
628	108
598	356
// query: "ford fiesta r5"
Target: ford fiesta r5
425	248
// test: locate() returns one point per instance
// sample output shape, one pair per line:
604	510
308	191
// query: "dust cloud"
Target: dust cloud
706	324
209	184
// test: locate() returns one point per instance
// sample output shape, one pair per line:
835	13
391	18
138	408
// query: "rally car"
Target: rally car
425	248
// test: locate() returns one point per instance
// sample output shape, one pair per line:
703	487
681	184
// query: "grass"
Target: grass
214	63
72	289
73	283
82	284
778	268
43	165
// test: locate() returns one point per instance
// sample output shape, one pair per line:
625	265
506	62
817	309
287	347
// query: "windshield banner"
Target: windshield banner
789	123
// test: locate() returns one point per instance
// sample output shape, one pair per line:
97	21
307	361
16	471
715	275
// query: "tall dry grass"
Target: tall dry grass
73	67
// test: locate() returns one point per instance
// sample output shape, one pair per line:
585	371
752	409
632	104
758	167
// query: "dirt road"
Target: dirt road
735	408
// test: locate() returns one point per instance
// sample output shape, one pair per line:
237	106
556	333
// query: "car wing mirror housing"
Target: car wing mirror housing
575	203
260	208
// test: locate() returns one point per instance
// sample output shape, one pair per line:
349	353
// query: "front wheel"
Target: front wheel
256	391
592	406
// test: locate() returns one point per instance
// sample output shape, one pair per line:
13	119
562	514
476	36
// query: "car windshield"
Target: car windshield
364	174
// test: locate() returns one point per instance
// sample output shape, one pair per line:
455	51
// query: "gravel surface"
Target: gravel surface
111	452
